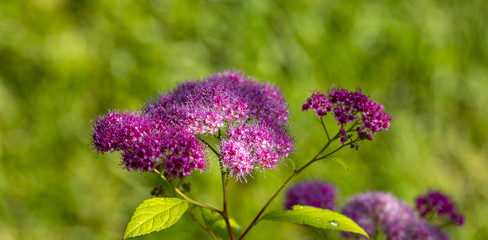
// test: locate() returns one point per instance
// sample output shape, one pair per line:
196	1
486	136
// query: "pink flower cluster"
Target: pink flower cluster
254	115
367	115
381	211
209	105
260	144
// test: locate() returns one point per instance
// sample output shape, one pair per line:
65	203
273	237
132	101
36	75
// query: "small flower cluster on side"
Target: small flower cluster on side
367	116
439	205
166	132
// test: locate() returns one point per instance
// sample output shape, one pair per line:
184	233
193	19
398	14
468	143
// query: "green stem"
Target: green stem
225	183
255	220
225	214
205	227
186	197
211	148
328	154
325	129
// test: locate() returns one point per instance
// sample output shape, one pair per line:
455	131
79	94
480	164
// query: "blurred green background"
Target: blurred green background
64	62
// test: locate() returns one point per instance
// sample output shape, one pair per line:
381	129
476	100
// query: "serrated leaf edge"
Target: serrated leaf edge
276	215
179	206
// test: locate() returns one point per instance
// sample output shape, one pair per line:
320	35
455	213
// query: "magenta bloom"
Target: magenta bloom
206	106
376	210
438	204
312	193
148	142
367	115
251	118
254	115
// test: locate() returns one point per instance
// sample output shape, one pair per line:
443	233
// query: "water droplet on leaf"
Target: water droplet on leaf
334	223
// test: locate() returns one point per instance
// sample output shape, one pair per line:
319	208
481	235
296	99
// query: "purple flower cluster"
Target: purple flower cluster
438	204
207	106
379	212
147	142
311	193
413	229
367	115
375	210
254	115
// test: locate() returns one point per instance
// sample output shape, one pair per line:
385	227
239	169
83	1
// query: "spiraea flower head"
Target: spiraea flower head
207	105
148	142
318	194
436	204
260	144
376	210
367	115
251	118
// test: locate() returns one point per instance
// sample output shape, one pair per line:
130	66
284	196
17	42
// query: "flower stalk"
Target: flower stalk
225	213
205	227
186	197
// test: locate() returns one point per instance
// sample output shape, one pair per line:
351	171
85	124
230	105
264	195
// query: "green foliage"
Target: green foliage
217	224
220	229
154	215
316	217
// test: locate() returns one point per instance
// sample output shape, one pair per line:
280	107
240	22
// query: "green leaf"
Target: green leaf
155	214
209	217
217	224
316	217
220	229
340	162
